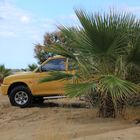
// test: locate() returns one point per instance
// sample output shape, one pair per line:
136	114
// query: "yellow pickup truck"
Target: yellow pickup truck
24	88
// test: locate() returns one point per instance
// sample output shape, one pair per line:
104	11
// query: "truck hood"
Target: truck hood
18	76
21	74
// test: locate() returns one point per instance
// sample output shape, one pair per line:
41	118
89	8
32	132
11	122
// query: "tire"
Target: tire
38	100
20	96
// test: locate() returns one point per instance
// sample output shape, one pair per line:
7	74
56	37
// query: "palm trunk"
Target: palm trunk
106	107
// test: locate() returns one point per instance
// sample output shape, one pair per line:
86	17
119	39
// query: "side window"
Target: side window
54	65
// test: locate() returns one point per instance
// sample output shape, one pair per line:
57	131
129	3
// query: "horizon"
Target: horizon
24	23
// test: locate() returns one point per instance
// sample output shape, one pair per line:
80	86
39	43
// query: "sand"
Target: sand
62	120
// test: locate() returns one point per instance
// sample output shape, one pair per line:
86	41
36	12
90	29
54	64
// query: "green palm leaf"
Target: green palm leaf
118	89
59	50
74	90
56	75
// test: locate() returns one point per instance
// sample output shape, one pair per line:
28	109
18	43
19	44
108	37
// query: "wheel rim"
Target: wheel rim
21	98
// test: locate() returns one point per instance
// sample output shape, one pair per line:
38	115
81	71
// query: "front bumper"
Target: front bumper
4	89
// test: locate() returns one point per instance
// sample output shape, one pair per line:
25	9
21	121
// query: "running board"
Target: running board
54	97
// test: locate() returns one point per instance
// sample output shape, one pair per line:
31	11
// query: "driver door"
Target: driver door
52	87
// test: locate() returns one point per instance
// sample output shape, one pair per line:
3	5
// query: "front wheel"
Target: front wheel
20	96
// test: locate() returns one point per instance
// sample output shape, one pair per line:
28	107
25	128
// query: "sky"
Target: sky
23	23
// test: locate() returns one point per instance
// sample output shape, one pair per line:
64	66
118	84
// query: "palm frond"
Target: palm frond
103	31
134	53
117	88
57	75
59	50
75	90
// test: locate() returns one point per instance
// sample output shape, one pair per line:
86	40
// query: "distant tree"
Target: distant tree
50	39
40	54
32	67
4	72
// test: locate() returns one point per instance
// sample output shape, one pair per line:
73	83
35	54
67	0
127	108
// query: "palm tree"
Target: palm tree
32	67
105	47
4	72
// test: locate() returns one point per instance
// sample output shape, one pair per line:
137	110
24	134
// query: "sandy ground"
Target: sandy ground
62	120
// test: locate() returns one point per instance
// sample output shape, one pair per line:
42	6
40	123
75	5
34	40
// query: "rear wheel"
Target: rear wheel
20	96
